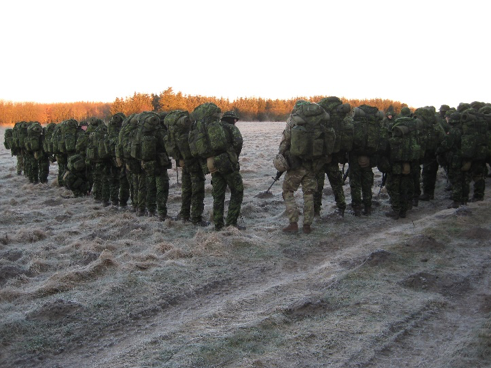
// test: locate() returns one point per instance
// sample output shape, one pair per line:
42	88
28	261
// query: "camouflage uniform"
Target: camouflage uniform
301	173
118	187
334	175
434	136
233	179
459	175
192	191
100	165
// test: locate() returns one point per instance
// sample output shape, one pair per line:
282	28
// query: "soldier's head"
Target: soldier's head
230	117
83	125
443	110
117	119
405	111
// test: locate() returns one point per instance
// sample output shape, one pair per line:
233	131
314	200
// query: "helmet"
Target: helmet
280	163
231	114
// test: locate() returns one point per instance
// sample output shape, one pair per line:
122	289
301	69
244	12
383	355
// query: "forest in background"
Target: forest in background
248	108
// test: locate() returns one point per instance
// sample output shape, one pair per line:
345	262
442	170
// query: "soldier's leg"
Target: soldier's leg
367	180
430	169
43	163
236	185
186	194
318	194
336	180
20	163
105	188
114	184
219	184
309	187
141	193
162	182
198	195
291	183
355	184
124	187
97	174
479	172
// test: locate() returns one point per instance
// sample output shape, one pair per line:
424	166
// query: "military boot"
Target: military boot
367	211
392	214
292	228
426	197
307	229
357	211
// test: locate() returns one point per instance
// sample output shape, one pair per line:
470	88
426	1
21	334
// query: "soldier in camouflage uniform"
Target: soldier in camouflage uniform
99	164
118	185
232	179
479	169
337	112
459	169
193	178
300	173
434	136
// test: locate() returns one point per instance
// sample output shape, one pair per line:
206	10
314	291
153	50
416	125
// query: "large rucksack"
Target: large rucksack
76	163
96	146
207	136
311	138
19	135
33	140
475	135
128	130
7	139
369	136
48	133
68	138
404	143
55	139
144	142
176	141
343	127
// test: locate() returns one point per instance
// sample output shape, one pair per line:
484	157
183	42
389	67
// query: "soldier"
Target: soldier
178	123
228	175
118	187
342	125
97	156
434	134
301	171
369	139
459	168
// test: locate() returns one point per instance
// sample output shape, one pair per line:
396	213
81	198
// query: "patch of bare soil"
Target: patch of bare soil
86	286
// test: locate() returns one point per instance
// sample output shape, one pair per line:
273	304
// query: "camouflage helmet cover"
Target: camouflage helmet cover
230	114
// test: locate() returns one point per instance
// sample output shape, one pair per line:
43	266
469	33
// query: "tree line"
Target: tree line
248	108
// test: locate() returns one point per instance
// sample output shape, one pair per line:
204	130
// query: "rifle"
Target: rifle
275	179
346	174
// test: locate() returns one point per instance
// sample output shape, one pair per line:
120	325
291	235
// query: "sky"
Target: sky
417	52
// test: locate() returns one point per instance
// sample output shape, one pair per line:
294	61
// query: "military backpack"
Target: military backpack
178	124
369	136
475	135
311	138
33	139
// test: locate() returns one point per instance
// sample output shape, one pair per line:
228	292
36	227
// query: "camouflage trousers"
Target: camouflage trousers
399	187
192	192
292	181
31	167
154	188
479	172
43	164
361	183
118	186
460	181
100	177
220	183
20	163
430	169
335	177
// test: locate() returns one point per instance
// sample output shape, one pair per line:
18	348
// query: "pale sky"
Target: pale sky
417	52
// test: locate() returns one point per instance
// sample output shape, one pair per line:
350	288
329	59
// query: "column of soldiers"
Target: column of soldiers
408	148
124	163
